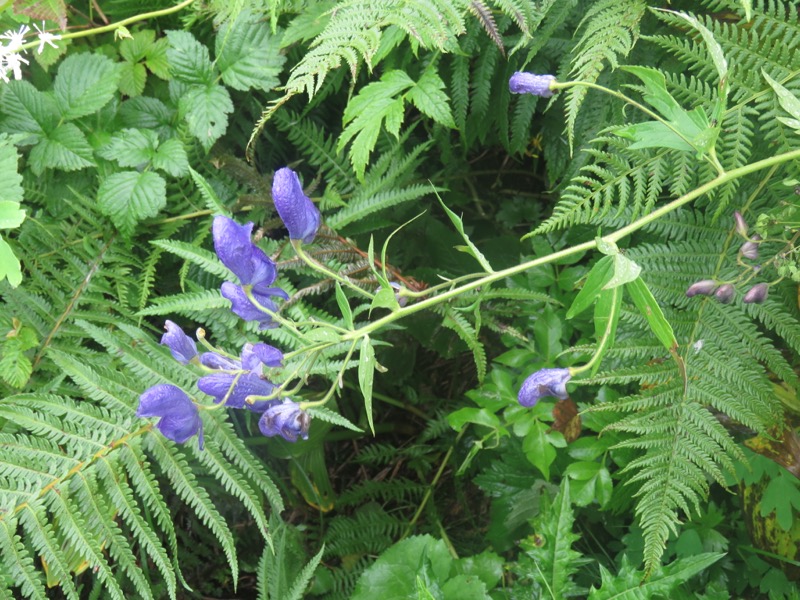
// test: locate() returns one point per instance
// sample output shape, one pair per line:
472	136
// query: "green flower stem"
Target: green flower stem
711	156
336	382
318	266
224	401
590	245
114	26
601	345
248	291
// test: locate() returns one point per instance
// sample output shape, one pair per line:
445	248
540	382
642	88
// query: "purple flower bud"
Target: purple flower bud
741	224
296	210
725	293
704	287
237	252
545	382
182	347
256	356
287	420
219	386
179	417
749	249
756	294
212	360
528	83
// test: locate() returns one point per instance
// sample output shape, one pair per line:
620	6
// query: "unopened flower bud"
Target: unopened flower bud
704	287
725	293
756	294
741	224
528	83
749	249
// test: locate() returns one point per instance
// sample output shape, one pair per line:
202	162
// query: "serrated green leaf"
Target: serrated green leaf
130	196
171	158
206	109
27	110
188	59
327	415
248	55
84	84
11	189
131	147
9	265
147	113
64	148
366	373
132	78
207	192
429	97
11	215
598	277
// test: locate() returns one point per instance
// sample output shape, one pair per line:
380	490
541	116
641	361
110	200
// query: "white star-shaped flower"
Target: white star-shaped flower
15	38
45	37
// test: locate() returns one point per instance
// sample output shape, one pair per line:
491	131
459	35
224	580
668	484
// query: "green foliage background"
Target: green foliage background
120	149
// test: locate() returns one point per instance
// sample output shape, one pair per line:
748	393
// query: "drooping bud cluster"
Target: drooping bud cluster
725	292
239	382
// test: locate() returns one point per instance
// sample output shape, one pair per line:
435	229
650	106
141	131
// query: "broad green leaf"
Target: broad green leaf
366	373
598	277
147	113
134	48
547	332
64	148
470	248
27	110
539	449
9	265
84	84
206	110
606	319
43	10
132	78
11	188
625	271
647	305
188	59
686	126
788	101
385	298
170	157
344	306
248	55
130	147
471	414
429	97
11	215
130	196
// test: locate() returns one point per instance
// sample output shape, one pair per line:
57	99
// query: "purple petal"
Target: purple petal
287	420
269	355
180	429
545	382
182	347
219	384
234	247
756	294
528	83
212	360
165	400
296	210
263	268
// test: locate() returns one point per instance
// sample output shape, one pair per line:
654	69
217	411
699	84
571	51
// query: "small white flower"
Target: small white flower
45	37
14	63
15	38
698	345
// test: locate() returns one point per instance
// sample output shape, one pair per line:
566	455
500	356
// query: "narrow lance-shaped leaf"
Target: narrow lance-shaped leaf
344	306
366	373
597	279
606	319
470	248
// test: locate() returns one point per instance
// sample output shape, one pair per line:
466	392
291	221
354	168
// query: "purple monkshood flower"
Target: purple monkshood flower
756	294
237	252
182	347
528	83
256	356
245	384
287	420
725	293
179	417
544	382
296	210
704	287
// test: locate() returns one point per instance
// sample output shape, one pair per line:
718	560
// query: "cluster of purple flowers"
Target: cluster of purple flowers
725	292
239	383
